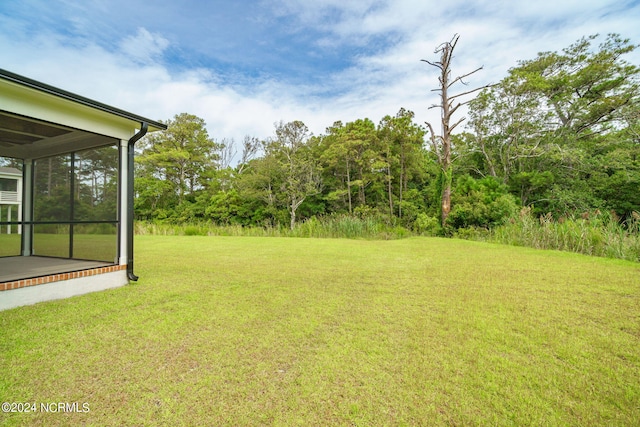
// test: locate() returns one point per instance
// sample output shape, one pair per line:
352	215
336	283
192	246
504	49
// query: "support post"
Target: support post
20	203
122	195
72	201
20	217
27	208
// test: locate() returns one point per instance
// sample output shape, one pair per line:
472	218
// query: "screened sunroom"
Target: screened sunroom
66	177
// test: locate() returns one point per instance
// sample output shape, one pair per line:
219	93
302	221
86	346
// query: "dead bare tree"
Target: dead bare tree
250	147
226	152
449	104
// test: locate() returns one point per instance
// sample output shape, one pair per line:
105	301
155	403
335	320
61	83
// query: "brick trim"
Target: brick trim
23	283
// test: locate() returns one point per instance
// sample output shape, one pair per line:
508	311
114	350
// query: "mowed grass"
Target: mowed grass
9	243
101	247
285	331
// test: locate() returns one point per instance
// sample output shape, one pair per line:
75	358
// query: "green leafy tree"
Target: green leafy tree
180	155
547	129
402	142
300	174
585	94
258	187
336	161
508	129
584	89
174	165
615	173
352	158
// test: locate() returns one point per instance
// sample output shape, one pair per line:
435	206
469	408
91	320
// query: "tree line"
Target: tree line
559	134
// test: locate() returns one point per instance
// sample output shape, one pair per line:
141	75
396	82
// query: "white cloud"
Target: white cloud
381	80
144	47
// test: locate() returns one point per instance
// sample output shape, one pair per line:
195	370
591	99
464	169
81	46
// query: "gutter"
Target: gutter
144	126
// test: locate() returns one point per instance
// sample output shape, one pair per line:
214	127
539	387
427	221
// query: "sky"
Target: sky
245	65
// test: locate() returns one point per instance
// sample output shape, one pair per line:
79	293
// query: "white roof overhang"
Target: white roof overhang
38	120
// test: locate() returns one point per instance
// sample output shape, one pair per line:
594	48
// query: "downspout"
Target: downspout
144	126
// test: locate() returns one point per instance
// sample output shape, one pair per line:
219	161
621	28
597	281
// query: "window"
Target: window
7	184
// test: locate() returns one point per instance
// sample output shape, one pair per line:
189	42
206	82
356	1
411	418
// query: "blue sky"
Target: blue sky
244	65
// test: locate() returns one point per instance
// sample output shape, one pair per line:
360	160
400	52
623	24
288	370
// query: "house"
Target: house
11	195
66	190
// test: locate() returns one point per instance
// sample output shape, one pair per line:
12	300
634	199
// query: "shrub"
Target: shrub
191	230
426	225
480	203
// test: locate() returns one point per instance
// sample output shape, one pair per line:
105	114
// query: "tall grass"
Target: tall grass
598	234
331	226
348	226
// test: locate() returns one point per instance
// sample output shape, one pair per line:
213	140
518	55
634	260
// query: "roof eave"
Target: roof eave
52	90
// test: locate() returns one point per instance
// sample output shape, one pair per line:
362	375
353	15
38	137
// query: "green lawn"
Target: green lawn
9	244
285	331
100	247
